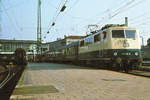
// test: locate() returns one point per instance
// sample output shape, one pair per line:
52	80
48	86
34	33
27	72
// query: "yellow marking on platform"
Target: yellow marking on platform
22	98
25	90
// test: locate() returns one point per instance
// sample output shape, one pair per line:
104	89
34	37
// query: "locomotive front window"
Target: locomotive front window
118	34
130	33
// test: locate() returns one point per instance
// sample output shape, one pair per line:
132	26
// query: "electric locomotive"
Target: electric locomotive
114	45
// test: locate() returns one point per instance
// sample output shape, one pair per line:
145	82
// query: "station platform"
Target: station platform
45	81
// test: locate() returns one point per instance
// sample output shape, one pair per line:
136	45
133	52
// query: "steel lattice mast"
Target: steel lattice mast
39	30
0	15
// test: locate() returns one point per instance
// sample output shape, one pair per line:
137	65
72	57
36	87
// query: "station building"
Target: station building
9	46
30	46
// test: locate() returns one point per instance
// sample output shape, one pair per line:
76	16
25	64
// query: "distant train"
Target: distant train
18	58
146	53
112	46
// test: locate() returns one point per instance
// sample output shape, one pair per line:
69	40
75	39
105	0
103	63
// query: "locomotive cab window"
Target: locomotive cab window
97	38
130	33
118	34
123	33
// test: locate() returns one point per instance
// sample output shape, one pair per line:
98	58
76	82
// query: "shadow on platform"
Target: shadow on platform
54	66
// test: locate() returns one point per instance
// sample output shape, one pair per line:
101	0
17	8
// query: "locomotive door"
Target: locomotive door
103	37
101	46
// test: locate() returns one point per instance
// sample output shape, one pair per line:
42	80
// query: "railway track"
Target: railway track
143	71
140	73
137	72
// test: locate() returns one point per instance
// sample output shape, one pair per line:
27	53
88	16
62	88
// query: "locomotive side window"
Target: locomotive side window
118	34
104	33
88	41
82	43
130	33
97	38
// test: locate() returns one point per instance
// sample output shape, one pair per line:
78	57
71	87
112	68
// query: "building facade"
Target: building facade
30	46
9	46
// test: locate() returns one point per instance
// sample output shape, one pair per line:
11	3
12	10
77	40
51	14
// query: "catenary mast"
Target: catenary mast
0	15
39	30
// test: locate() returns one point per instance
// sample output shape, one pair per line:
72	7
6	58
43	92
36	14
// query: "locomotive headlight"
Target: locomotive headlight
136	53
129	53
115	53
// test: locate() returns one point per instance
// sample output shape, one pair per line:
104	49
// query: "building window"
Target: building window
0	47
6	47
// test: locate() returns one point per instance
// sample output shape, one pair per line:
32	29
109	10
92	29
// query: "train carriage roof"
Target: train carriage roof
67	46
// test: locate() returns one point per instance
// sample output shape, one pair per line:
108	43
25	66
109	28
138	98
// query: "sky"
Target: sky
18	18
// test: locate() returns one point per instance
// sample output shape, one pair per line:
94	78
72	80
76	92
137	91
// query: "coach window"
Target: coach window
82	43
97	38
104	35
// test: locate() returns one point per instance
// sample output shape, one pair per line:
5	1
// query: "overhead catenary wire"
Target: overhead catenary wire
116	12
121	9
143	19
140	16
14	6
104	12
53	22
125	7
14	23
143	23
53	19
61	10
77	1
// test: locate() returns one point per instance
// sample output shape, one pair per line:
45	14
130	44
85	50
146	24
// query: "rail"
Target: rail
146	63
8	72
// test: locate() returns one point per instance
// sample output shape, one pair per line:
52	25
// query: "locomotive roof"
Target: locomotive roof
109	27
